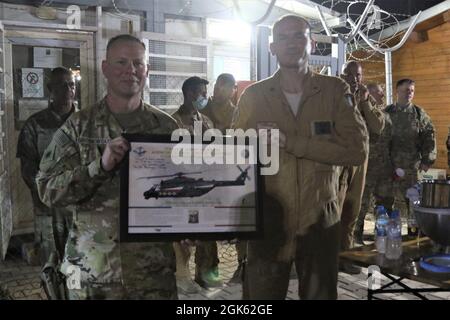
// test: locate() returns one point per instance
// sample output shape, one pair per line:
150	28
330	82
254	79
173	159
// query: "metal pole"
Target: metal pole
388	66
338	55
253	53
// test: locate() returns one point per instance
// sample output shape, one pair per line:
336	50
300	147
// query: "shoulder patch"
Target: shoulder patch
60	138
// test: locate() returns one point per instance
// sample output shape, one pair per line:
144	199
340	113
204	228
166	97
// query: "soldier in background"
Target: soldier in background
50	225
377	165
413	142
206	253
353	178
220	109
81	168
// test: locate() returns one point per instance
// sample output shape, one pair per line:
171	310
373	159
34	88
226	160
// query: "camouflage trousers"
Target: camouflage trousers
114	291
147	273
375	193
206	258
50	233
44	239
398	195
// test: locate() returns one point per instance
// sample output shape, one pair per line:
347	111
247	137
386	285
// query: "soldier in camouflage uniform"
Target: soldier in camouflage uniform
413	143
80	168
50	225
206	253
378	166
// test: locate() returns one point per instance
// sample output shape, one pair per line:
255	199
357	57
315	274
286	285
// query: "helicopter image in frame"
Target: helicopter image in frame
183	186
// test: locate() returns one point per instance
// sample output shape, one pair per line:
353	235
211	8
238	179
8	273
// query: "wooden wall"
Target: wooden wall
428	63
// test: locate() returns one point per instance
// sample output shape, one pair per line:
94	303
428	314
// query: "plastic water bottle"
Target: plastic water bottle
380	229
394	236
413	194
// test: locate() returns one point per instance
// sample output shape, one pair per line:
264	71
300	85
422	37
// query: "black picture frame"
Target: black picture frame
163	232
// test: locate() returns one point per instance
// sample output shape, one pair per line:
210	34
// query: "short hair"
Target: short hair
349	64
55	73
372	85
60	71
226	78
403	81
191	83
288	17
123	37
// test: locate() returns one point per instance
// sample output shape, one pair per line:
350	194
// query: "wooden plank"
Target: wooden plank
431	23
418	36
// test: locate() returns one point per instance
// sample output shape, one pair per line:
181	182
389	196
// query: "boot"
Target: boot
209	279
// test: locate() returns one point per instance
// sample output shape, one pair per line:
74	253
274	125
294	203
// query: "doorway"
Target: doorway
30	56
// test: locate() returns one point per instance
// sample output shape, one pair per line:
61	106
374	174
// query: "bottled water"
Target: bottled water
413	194
380	229
394	236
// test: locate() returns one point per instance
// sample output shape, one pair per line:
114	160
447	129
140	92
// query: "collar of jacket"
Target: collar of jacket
408	108
214	105
310	88
57	116
186	110
104	117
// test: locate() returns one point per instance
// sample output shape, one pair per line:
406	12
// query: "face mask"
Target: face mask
200	103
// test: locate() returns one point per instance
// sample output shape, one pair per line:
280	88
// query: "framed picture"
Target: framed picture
174	191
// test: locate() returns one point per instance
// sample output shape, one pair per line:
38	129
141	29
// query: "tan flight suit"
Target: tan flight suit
300	205
352	179
206	253
221	114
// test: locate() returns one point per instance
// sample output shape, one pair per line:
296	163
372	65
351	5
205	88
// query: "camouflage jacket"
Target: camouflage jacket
413	137
185	119
71	174
34	138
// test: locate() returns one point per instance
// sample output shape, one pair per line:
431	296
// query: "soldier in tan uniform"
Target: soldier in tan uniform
377	167
80	170
50	225
353	178
320	130
206	255
220	108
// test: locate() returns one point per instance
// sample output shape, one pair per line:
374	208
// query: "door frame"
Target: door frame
88	97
